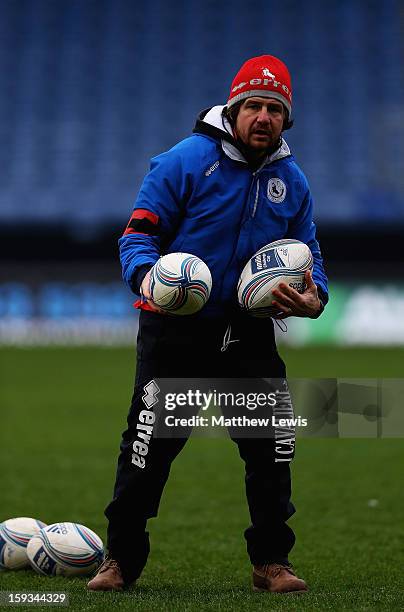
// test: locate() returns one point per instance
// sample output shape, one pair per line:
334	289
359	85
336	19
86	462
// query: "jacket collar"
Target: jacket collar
212	123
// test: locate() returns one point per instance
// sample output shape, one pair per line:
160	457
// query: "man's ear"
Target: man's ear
231	113
287	123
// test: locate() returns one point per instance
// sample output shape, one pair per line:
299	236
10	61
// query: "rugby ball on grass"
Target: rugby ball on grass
283	261
180	283
15	534
65	549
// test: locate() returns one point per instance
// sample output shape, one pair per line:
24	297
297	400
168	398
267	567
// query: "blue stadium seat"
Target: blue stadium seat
92	89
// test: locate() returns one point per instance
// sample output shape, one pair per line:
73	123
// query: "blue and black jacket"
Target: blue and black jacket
203	197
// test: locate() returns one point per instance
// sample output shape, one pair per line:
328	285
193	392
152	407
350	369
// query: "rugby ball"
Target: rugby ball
180	283
14	536
283	261
65	549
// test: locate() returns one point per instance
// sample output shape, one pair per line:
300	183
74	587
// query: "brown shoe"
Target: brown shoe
277	578
108	577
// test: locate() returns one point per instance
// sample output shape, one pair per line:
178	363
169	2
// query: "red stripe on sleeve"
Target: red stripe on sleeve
142	213
129	230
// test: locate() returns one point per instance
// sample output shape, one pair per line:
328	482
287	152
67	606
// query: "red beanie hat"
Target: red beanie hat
265	76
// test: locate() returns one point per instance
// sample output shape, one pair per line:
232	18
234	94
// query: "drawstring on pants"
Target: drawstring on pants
281	324
226	339
227	336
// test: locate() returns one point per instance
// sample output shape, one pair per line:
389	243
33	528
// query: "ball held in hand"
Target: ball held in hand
180	283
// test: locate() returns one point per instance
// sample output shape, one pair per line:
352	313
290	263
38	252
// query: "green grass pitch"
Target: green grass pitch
62	411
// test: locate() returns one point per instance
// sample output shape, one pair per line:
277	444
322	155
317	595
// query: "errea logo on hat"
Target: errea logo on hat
256	77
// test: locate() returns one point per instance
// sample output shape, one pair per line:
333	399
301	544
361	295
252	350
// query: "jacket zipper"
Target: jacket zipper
257	189
256	198
252	214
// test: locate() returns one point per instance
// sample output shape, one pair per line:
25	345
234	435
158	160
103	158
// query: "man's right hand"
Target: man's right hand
146	295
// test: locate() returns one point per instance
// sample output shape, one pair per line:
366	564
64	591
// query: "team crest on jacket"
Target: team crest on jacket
276	191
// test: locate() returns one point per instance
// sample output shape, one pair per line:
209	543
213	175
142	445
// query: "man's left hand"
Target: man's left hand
291	303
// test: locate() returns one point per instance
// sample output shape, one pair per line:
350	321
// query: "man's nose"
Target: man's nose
263	116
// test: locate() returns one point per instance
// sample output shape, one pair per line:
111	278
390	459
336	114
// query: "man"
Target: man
221	194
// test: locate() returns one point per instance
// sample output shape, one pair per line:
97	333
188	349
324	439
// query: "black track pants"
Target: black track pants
185	348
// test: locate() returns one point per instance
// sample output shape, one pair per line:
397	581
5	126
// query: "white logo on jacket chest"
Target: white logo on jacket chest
276	191
212	168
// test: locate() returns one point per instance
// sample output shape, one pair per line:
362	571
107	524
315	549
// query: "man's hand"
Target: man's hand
146	295
290	303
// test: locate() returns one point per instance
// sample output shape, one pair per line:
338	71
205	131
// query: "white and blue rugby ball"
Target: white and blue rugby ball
65	549
282	261
180	283
15	534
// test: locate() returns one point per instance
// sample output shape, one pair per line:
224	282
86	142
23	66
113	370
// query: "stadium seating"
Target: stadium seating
92	89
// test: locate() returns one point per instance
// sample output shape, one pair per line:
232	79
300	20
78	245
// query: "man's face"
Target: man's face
259	123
